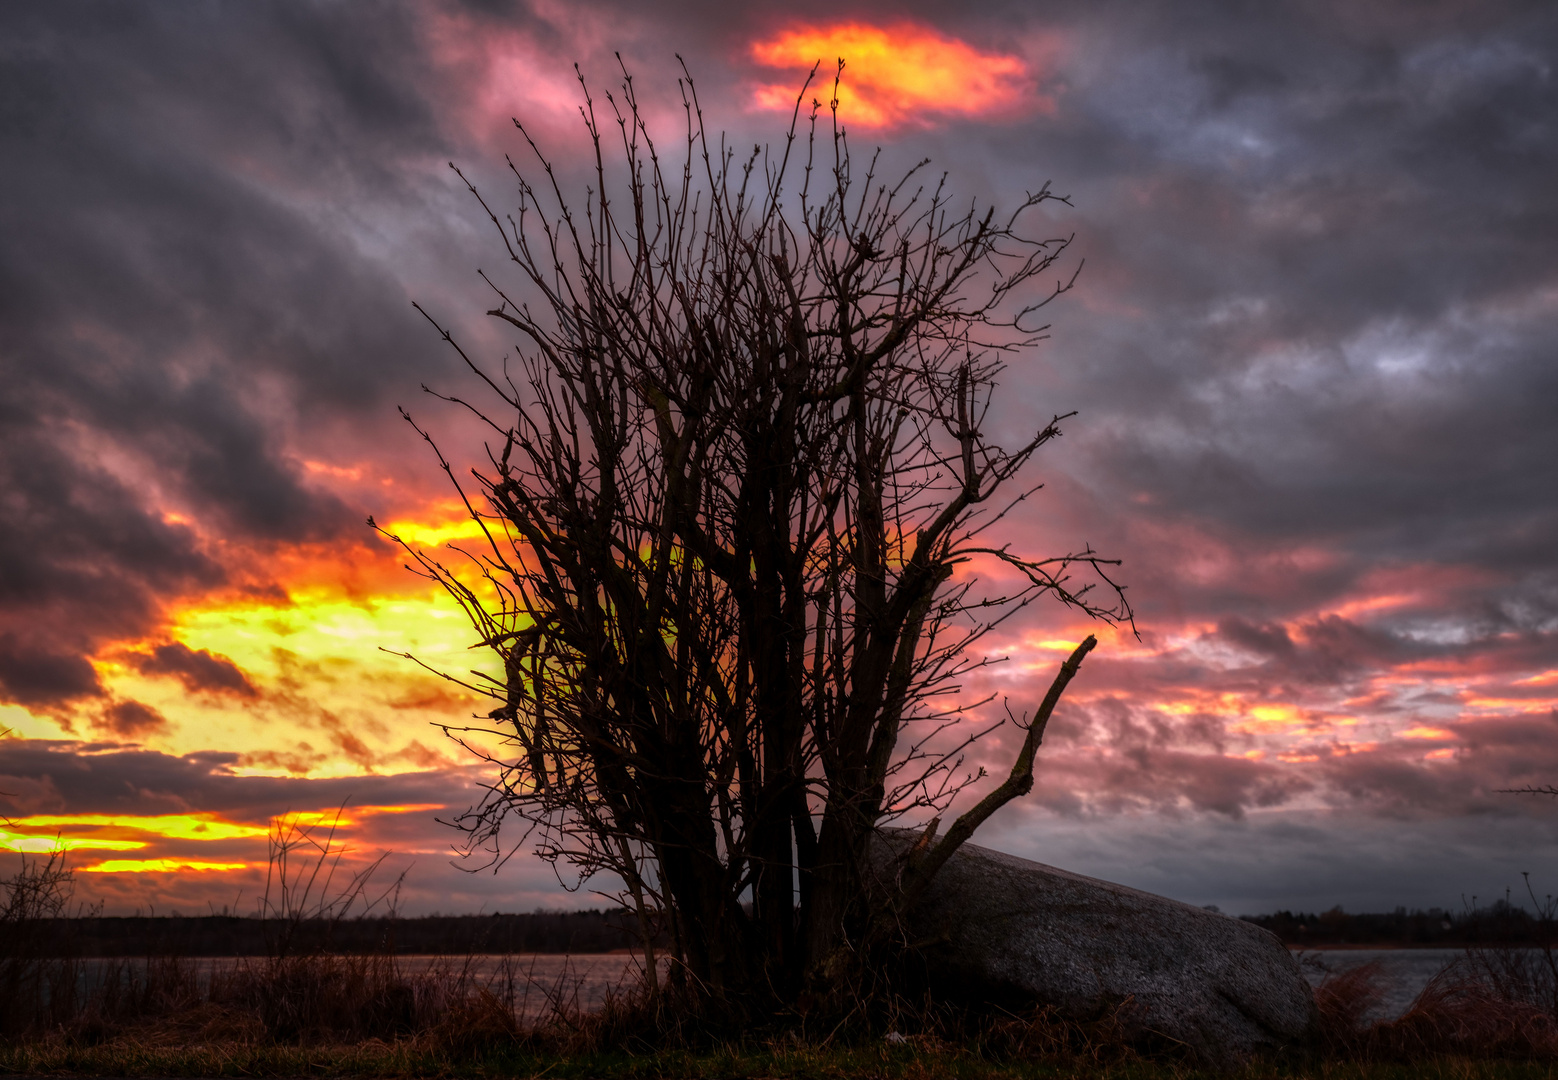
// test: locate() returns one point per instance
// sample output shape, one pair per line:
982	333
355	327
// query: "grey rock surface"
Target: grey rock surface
997	926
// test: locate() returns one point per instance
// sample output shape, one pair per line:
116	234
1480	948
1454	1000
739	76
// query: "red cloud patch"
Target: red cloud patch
900	75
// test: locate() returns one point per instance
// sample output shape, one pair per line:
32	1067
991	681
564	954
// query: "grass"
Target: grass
408	1058
164	1020
361	1016
1494	1015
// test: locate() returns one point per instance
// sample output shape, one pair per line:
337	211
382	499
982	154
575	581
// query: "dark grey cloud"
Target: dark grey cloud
81	561
1338	248
34	676
55	777
197	669
1301	860
44	776
183	298
131	719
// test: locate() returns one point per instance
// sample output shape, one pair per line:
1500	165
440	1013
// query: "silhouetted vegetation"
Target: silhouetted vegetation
1465	1010
331	993
1500	923
741	463
37	974
298	1011
597	931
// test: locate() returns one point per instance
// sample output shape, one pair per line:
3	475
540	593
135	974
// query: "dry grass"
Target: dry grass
1464	1011
366	1016
325	999
1490	1015
408	1058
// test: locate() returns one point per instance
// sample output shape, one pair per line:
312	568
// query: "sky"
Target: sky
1313	349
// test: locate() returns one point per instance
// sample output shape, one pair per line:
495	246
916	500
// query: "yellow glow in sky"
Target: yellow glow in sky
444	523
894	74
40	834
167	826
165	866
1271	718
334	698
35	844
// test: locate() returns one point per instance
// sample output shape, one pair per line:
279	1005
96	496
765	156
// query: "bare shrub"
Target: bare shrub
37	984
743	468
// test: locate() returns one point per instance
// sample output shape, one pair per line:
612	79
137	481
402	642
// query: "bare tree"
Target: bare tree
738	485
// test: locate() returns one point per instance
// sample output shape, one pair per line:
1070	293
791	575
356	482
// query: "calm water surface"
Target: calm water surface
1404	972
586	980
537	980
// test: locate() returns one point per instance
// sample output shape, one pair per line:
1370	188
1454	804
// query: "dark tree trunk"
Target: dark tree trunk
739	466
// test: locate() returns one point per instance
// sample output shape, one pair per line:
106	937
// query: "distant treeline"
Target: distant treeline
604	931
1499	924
226	935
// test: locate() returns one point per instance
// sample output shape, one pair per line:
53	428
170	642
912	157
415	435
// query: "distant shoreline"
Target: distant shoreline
582	933
1393	946
1498	925
537	933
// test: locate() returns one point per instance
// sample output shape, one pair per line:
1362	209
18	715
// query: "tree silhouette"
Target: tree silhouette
738	487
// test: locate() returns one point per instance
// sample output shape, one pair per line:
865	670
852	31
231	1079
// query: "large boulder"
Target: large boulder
997	927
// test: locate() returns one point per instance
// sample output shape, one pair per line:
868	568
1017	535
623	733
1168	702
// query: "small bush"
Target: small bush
38	986
1464	1011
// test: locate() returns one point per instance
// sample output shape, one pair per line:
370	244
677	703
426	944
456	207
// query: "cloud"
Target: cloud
131	719
178	301
1299	859
1312	350
896	75
197	669
157	818
81	561
33	676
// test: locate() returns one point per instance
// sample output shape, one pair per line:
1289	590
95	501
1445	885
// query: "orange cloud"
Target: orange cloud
1422	732
45	833
1242	717
1503	704
351	816
143	866
300	650
899	74
443	522
166	826
45	843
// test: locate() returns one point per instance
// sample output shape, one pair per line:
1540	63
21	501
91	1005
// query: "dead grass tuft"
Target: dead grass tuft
1462	1012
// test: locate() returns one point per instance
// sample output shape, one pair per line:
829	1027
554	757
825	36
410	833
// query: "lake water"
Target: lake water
536	980
1403	972
587	980
539	979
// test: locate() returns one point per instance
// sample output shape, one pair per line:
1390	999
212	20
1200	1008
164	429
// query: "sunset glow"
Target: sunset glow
902	74
27	843
205	844
1427	733
161	866
166	826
